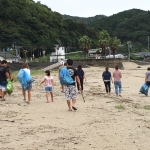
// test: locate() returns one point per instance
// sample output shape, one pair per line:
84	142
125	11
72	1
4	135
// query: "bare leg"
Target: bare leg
73	102
47	93
3	95
24	94
62	87
29	95
52	96
69	105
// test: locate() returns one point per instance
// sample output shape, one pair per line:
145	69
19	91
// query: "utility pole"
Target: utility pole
148	43
129	46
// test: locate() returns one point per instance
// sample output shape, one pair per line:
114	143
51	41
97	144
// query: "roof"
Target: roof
7	55
142	54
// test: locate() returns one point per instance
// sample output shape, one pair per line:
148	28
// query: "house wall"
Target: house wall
61	51
1	58
54	58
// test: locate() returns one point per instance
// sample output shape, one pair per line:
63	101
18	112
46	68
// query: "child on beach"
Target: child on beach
49	85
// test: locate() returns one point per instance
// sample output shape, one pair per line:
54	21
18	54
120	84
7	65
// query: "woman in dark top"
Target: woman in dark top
107	78
81	76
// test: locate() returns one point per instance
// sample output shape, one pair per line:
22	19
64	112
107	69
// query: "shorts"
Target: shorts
28	87
3	85
48	89
70	92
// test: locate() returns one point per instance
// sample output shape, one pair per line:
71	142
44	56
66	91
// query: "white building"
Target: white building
8	57
58	55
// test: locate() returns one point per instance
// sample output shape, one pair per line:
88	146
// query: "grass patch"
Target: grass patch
78	55
147	107
137	106
33	73
120	107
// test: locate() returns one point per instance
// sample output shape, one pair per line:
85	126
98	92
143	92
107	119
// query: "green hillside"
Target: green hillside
85	20
34	25
128	25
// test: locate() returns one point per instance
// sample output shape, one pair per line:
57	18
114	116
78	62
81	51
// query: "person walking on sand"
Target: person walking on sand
70	90
147	77
4	75
62	66
49	85
117	75
107	80
25	67
81	76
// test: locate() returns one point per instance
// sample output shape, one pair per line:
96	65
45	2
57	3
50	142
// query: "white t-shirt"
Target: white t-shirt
48	81
27	70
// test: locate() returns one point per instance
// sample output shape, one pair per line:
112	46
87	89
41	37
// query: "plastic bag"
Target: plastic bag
9	87
144	89
25	79
65	77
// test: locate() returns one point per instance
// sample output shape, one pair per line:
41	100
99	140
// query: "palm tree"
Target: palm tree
85	43
103	40
114	44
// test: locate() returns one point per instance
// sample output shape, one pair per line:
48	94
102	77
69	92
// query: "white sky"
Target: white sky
88	8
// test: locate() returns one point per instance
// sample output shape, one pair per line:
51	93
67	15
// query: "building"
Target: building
58	55
94	53
8	57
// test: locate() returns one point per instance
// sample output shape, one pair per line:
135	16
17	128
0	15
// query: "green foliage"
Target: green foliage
85	43
114	44
85	20
34	25
128	25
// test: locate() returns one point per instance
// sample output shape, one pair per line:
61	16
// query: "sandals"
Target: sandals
74	108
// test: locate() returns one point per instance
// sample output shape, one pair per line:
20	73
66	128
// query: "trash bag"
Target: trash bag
25	79
65	77
9	87
144	89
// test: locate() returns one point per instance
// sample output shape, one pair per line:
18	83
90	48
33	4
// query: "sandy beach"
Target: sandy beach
101	123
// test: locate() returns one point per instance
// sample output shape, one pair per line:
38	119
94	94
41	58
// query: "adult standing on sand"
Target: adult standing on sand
147	77
4	75
117	75
70	90
107	80
81	76
62	66
25	67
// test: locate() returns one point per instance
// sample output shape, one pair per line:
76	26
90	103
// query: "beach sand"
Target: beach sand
98	124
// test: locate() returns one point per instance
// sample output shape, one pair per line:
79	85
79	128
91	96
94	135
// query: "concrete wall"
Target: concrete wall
102	62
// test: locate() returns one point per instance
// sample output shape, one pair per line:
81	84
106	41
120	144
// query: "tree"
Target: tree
85	43
114	44
103	40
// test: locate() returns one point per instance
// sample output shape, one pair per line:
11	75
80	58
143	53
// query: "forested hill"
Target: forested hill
35	25
131	25
85	20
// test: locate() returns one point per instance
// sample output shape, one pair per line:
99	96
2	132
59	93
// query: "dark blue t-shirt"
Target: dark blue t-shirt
106	75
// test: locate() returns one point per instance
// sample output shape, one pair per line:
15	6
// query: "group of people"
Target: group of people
70	91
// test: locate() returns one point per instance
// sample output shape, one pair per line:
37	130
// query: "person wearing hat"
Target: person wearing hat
62	66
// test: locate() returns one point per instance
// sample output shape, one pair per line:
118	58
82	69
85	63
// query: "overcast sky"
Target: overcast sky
88	8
